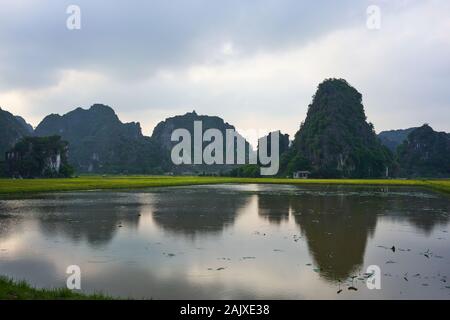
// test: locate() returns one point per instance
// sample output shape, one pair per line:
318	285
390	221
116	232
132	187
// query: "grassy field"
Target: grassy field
12	290
9	186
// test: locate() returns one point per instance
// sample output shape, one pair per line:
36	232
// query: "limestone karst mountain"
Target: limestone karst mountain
393	138
162	138
335	139
425	153
100	143
12	129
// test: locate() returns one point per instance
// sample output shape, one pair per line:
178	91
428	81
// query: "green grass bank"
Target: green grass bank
20	290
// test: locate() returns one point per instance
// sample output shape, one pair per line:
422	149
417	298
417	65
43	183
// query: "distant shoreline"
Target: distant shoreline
85	183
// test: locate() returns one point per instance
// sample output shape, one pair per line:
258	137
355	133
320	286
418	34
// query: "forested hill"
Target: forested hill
162	138
335	139
393	138
425	153
100	143
12	129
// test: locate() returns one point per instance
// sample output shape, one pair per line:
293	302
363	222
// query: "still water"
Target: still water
233	241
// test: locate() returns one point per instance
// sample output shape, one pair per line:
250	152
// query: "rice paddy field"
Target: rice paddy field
10	186
10	289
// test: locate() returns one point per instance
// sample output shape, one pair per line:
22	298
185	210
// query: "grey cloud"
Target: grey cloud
132	39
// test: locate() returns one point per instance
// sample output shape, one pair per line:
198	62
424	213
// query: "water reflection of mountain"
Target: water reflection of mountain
274	208
424	211
200	212
336	230
91	217
338	223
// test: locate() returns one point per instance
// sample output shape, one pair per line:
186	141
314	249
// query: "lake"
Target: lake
233	241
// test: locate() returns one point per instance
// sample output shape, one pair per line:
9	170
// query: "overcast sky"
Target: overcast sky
255	63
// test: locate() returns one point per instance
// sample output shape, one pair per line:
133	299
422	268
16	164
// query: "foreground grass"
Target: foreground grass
12	290
9	186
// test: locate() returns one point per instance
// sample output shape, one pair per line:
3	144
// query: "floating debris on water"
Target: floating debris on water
390	261
170	255
428	254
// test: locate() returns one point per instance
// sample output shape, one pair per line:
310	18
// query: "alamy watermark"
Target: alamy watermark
373	21
74	279
211	147
374	277
73	21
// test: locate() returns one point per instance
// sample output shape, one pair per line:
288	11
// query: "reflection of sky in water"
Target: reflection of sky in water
232	241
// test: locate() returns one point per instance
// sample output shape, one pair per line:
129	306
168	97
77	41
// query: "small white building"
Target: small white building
301	174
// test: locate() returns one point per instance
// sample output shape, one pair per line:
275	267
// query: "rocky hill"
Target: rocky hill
100	143
12	129
393	138
425	153
162	138
336	140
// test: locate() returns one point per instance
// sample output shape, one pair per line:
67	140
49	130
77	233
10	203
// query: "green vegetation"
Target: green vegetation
39	157
9	186
12	290
248	170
